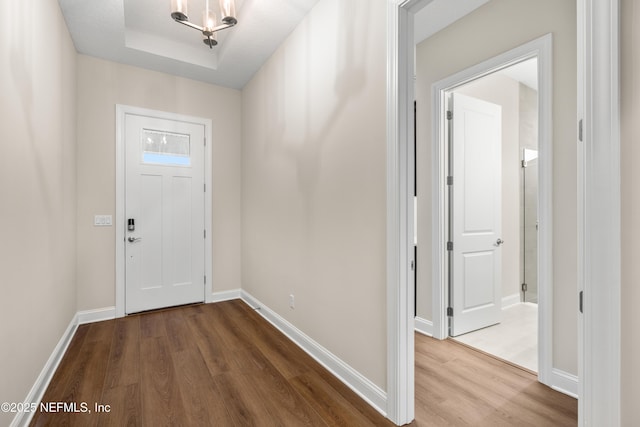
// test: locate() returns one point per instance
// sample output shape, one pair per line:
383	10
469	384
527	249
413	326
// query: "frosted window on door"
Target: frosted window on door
165	148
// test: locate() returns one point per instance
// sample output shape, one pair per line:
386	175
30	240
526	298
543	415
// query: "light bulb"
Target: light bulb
228	12
208	20
179	10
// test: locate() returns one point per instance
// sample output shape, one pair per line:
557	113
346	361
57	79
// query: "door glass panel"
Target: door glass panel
165	148
530	225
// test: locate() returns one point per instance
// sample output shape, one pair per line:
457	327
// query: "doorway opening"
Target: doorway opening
163	210
599	207
492	213
504	251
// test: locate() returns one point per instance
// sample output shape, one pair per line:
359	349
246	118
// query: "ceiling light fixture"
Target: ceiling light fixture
209	24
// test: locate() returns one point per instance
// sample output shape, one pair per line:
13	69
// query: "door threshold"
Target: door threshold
161	309
493	356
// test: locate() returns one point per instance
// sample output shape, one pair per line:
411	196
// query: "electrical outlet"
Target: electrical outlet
292	301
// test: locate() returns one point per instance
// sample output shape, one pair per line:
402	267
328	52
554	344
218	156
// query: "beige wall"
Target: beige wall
37	191
314	182
494	28
102	85
630	156
505	92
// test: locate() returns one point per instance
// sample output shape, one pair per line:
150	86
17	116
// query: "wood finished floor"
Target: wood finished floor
459	386
223	365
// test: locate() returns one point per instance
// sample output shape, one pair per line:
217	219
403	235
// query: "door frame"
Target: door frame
542	49
120	219
598	218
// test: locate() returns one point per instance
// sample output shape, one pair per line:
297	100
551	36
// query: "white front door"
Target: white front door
476	217
164	210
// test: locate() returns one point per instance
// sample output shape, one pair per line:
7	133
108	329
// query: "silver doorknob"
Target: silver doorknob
499	242
133	239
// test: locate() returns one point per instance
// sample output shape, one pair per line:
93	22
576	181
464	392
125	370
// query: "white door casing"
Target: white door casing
476	214
542	49
598	86
162	188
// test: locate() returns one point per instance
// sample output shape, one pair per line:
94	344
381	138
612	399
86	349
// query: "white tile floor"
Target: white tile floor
514	340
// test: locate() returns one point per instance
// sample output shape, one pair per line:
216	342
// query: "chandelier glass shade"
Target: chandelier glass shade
210	25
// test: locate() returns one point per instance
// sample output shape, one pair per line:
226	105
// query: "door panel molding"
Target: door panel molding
476	210
120	220
542	49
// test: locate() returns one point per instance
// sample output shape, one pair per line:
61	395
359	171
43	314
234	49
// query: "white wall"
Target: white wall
494	28
505	92
37	191
314	182
102	85
630	158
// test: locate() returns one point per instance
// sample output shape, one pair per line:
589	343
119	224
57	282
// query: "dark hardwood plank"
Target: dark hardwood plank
242	400
331	406
456	385
162	403
282	401
84	380
122	378
374	417
63	375
200	396
210	344
224	365
151	324
289	359
125	406
124	359
178	331
231	335
90	377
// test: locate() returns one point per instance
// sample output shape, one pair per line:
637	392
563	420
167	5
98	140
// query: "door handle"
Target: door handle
133	239
499	242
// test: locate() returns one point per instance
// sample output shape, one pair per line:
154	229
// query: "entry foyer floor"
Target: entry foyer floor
224	365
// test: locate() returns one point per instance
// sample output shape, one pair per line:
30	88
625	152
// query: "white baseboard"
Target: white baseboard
425	327
362	386
42	382
564	382
223	296
96	315
510	300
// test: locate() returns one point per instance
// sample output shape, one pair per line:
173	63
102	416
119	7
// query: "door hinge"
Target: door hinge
205	142
205	187
449	246
580	130
581	298
413	264
205	233
449	180
523	163
205	279
524	287
450	311
449	115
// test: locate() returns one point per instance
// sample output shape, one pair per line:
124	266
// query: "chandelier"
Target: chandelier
209	22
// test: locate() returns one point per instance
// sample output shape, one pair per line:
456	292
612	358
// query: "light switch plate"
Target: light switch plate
102	221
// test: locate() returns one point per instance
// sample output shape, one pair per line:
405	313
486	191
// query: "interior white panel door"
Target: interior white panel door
164	185
476	214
